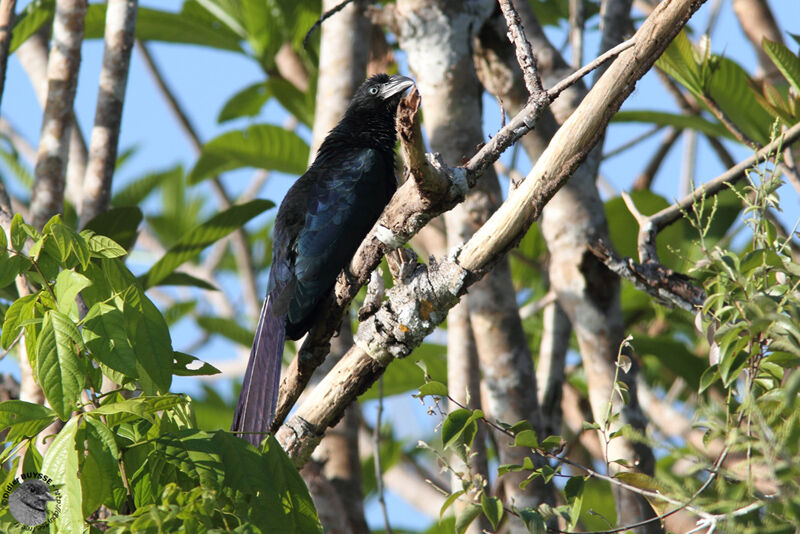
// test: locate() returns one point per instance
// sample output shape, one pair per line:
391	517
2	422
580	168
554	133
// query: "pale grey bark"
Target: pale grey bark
119	35
587	291
47	198
7	8
556	331
33	54
437	37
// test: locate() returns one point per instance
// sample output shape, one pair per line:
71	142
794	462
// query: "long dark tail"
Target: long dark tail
259	395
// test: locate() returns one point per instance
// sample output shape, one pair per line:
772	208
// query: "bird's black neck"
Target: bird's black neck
376	132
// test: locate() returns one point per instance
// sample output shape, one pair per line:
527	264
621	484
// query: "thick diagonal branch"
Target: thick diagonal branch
414	309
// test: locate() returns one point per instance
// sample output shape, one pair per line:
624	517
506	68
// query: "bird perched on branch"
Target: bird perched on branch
320	224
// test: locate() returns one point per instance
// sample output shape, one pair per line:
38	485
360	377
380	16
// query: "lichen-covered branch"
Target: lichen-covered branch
103	145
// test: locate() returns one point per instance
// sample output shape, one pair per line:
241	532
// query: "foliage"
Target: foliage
136	447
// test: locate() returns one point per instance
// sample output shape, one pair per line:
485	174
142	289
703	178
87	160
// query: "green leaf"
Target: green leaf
453	497
182	362
12	266
492	508
99	470
61	464
573	491
68	285
263	146
20	232
245	103
150	340
156	25
186	279
465	518
684	122
526	438
143	407
296	511
69	243
433	388
139	189
30	20
786	61
298	103
533	520
680	60
551	442
730	89
102	246
721	79
22	309
459	426
25	419
60	370
105	336
227	328
119	224
191	244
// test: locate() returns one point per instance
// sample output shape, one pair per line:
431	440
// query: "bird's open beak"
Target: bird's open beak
396	84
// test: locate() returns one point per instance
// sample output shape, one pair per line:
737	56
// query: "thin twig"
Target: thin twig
573	78
525	55
325	16
633	142
376	437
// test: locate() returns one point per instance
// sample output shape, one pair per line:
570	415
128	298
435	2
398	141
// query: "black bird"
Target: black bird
28	503
320	224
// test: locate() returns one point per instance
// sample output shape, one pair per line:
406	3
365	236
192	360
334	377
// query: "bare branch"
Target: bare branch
62	78
525	55
649	229
663	284
120	25
7	8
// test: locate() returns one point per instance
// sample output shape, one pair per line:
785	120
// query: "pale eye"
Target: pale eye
373	90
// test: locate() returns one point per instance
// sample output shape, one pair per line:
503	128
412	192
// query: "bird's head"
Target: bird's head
380	93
